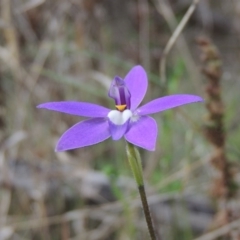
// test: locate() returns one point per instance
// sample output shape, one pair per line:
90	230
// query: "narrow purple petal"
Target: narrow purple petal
83	134
136	82
77	108
117	131
143	133
168	102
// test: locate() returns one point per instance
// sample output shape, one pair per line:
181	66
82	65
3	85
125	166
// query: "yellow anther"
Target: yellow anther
121	107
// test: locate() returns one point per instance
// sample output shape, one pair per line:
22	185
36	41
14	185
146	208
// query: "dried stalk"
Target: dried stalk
167	13
144	55
223	188
220	232
10	35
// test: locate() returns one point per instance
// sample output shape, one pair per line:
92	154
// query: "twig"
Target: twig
29	5
182	172
33	223
221	231
144	55
10	36
224	186
5	193
178	30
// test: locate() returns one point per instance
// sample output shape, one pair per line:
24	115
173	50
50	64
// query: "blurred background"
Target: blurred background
54	50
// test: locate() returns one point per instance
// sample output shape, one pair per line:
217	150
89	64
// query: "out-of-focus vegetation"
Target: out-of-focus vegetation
70	50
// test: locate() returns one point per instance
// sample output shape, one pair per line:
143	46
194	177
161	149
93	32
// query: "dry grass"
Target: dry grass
70	50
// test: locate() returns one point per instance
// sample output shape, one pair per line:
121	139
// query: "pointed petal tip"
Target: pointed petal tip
58	148
39	106
138	66
197	98
152	149
43	105
61	148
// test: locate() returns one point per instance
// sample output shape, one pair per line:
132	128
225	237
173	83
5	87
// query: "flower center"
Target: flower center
121	108
119	92
119	118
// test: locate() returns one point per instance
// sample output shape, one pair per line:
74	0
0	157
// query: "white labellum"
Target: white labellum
119	118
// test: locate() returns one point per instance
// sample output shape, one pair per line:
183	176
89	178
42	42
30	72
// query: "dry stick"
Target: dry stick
29	5
224	185
13	47
6	195
144	55
32	223
174	37
182	172
10	36
221	231
116	206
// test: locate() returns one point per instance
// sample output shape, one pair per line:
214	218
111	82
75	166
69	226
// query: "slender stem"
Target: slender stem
147	211
136	166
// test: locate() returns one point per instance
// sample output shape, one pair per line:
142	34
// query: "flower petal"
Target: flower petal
136	82
143	133
117	131
164	103
83	134
83	109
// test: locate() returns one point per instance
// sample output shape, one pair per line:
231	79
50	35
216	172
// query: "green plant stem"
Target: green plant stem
136	166
147	211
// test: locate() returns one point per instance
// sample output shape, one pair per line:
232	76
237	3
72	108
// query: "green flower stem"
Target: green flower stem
136	166
135	163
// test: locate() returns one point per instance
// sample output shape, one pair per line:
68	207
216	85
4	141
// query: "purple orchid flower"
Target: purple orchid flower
127	120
